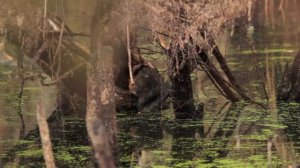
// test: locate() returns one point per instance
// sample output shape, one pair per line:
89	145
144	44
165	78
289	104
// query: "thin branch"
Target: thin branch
45	16
20	96
38	54
256	68
129	55
63	76
58	49
129	51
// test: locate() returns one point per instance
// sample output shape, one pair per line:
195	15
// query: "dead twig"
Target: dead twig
22	83
63	76
129	47
129	55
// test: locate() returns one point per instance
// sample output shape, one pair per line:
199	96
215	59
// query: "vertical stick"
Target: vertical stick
20	96
129	54
128	46
267	11
45	16
250	8
45	136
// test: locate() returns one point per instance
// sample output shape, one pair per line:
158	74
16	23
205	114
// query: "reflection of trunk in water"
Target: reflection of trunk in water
183	147
279	140
226	128
290	87
272	104
271	88
22	83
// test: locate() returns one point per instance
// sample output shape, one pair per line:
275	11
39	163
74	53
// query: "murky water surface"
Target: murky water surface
235	135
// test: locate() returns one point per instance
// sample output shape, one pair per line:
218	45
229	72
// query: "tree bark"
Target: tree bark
101	114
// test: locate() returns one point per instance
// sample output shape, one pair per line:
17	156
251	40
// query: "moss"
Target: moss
159	166
80	148
232	163
269	51
31	153
65	157
186	164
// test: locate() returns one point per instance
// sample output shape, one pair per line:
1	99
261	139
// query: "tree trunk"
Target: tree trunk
101	115
182	94
181	83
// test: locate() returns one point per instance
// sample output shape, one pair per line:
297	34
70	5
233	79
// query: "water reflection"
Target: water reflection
10	123
231	135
